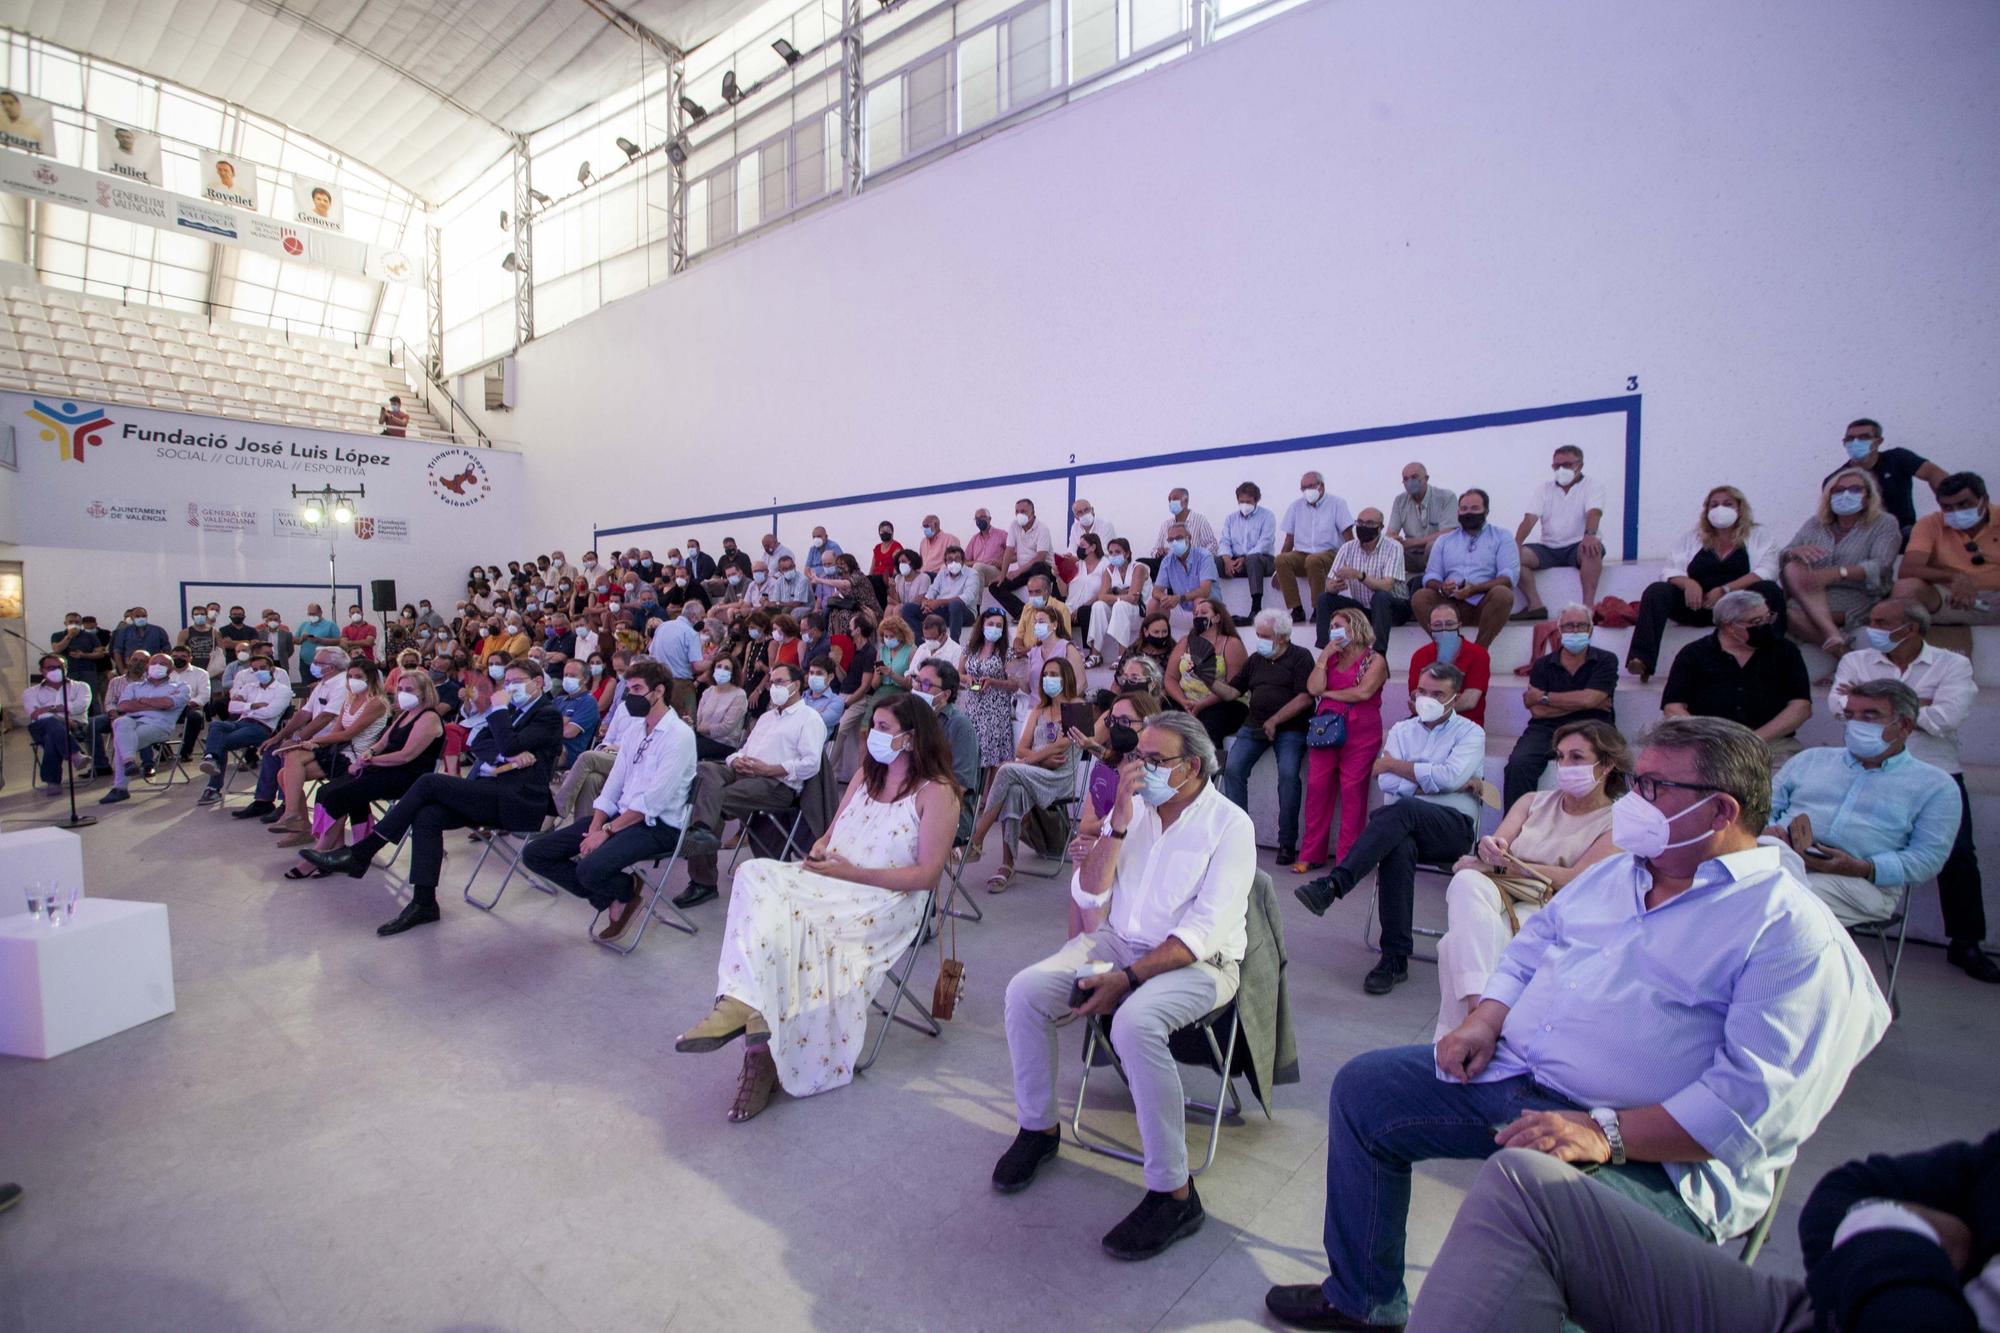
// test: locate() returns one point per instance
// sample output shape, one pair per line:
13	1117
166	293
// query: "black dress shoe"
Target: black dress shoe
1306	1307
255	810
416	914
1320	894
1970	959
1287	855
1158	1221
700	840
342	861
1024	1156
1391	972
694	896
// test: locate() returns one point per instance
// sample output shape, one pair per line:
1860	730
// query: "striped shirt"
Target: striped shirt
1384	562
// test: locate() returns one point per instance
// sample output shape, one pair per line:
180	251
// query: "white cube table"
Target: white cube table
51	856
108	969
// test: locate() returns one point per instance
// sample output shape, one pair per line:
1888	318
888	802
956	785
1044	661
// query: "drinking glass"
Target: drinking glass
70	896
35	901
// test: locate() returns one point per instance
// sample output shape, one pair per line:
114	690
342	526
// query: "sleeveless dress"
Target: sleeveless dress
808	951
992	710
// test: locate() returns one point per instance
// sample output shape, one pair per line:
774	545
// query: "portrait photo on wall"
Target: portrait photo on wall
26	123
228	179
128	152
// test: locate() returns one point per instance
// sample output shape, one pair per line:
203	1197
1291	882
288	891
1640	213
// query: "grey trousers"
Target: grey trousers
580	786
1038	1003
1537	1241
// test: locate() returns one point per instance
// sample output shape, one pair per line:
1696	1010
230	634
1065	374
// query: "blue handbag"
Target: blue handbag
1327	730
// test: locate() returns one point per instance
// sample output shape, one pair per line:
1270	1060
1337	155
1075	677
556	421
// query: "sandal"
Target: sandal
298	838
283	826
998	881
1303	867
305	872
753	1087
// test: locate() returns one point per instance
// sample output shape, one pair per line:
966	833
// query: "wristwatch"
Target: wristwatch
1131	978
1607	1120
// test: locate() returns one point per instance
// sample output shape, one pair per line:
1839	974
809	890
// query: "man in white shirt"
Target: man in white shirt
1030	551
53	704
1569	506
1200	531
199	684
328	669
257	699
1897	647
1166	891
780	756
633	818
1313	528
1084	518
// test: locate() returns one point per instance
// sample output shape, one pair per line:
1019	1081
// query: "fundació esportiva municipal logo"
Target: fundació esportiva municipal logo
71	427
458	478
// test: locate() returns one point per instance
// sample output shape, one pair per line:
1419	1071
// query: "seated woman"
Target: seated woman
331	750
602	682
1111	746
1042	774
1043	636
1115	621
720	713
908	584
849	592
888	677
407	661
1212	651
809	942
1724	551
388	766
1841	561
1083	588
1544	842
1155	643
1347	679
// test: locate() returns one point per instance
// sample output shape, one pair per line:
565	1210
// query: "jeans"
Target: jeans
1245	751
57	746
191	719
957	615
1389	1109
1959	890
235	734
600	878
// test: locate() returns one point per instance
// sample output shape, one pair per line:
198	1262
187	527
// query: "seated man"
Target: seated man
936	682
508	791
1952	564
954	594
199	684
1569	507
1429	768
1890	1244
785	587
1200	531
1248	546
1870	820
56	706
1313	528
632	819
321	708
586	777
1166	895
1420	513
1746	672
822	696
1186	573
256	703
1367	575
1574	683
1692	946
1030	550
1473	567
143	717
578	709
1272	680
935	644
783	751
1449	645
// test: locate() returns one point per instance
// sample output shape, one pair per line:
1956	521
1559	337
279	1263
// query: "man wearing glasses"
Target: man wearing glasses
1746	672
1952	565
1676	1021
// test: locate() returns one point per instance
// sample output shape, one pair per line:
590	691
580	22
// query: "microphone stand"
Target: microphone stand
69	766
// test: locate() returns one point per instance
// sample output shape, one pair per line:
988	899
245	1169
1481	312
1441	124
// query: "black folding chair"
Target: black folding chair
899	977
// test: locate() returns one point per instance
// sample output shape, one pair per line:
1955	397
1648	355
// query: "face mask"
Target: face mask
928	696
1023	520
735	579
180	665
1082	553
1087	519
1413	487
1472	522
818	542
517	692
1246	509
892	643
1131	685
992	633
1037	599
1857	449
355	685
1312	494
1576	779
1155	787
1163	640
1042	630
723	675
1052	686
1201	624
597	668
886	536
1123	738
1865	740
199	621
571	684
755	634
1268	647
496	671
930	531
1366	532
780	695
1337	636
1761	636
437	677
138	622
1963	520
982	523
1576	643
1115	560
405	700
263	676
53	677
1881	640
72	624
1178	546
1565	475
156	671
1641	828
817	684
1175	507
1722	517
881	747
243	657
1846	503
909	571
638	705
316	670
1429	710
354	620
614	605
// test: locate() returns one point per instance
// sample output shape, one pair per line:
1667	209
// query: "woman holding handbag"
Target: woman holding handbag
1542	844
1343	738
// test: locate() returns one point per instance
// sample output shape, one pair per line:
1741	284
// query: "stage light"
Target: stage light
540	198
730	92
693	110
786	51
313	513
583	174
627	147
342	513
677	152
510	263
503	219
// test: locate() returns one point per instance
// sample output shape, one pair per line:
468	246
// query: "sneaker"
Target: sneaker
1391	972
1017	1166
209	796
1158	1221
1306	1306
210	767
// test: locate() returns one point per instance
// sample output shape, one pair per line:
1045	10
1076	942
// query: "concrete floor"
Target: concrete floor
483	1125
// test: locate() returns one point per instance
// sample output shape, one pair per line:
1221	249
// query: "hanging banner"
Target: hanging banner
318	204
26	123
227	179
133	154
112	196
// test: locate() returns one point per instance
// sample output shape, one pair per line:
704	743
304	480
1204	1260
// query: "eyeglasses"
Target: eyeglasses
1649	786
1158	759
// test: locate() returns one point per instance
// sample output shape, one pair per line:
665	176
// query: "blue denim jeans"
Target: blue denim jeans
1245	751
1389	1110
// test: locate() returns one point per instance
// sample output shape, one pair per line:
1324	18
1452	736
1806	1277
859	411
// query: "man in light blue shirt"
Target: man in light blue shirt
676	646
1869	819
314	633
822	697
1187	573
1679	1018
1314	527
785	588
1249	543
1474	568
144	716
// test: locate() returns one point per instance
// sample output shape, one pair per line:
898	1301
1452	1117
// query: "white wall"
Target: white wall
1777	216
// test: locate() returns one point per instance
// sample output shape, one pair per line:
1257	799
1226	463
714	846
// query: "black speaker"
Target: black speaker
383	591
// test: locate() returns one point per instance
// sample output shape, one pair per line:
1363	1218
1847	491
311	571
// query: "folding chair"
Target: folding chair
778	820
1490	796
1753	1243
954	870
79	734
900	975
1066	815
654	890
1892	963
1097	1033
171	759
511	843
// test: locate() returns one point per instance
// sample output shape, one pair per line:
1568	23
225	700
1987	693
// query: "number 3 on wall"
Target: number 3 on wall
1631	383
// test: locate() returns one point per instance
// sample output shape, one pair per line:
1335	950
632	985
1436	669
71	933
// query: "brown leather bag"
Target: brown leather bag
951	976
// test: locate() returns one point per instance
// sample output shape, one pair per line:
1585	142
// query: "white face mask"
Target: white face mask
1565	475
992	633
780	695
356	685
1043	629
1023	520
954	568
723	675
406	701
53	677
1312	494
1430	710
882	747
354	619
1641	828
1722	517
157	672
1246	509
243	656
1576	779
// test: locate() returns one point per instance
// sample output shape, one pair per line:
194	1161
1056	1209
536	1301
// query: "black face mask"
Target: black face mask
438	677
1201	624
1158	640
982	523
236	620
1366	532
1131	686
637	705
1124	739
1083	553
1761	636
1472	522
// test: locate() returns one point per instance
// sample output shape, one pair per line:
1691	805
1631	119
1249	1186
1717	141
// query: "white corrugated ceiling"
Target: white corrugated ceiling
424	91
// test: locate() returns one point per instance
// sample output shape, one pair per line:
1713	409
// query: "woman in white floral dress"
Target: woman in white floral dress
808	943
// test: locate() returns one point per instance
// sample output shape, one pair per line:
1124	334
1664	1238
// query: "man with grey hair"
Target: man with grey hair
1869	819
1747	672
327	668
1573	683
1165	892
1897	647
1273	681
1429	769
1769	1008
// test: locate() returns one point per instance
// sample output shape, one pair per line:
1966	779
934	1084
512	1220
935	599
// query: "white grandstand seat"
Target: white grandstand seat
224	389
142	347
59	300
180	365
33	324
11	358
39	342
135	328
225	343
236	361
149	361
157	379
106	338
191	384
121	375
196	338
68	332
113	356
15	293
98	322
77	350
248	378
44	364
97	305
286	398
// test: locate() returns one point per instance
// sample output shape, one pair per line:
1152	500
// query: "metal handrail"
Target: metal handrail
417	371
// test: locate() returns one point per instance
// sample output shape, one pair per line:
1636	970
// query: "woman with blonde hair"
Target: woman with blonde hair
1346	681
1724	552
328	752
1841	560
383	770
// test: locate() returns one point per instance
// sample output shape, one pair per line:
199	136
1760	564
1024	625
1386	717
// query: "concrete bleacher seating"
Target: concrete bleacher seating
85	346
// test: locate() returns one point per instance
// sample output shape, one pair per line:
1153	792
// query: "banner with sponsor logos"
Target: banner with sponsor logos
213	498
131	201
